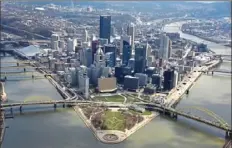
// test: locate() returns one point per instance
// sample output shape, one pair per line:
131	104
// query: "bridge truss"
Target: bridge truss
216	119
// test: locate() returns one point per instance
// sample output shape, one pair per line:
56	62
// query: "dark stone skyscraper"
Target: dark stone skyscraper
126	53
140	58
105	27
168	79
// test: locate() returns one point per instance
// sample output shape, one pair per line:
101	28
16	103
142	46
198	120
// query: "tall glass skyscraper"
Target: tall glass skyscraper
126	53
140	58
105	27
109	48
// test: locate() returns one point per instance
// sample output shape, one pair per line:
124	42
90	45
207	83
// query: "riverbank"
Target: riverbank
119	136
2	127
207	39
186	84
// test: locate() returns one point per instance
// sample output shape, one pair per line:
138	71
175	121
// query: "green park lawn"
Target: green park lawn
144	113
114	121
115	98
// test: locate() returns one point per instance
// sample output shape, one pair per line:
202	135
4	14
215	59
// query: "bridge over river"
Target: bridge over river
173	113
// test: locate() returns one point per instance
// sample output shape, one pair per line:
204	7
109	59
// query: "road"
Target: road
177	92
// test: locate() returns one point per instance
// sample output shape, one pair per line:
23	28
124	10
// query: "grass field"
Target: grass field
115	98
114	121
144	113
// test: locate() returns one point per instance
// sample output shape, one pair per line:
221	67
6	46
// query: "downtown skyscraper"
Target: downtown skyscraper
140	58
105	27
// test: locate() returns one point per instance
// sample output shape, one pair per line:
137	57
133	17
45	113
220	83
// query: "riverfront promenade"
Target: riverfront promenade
188	81
116	135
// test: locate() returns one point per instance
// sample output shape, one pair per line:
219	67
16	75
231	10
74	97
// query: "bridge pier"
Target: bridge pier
228	135
187	92
55	106
18	64
173	115
212	73
11	110
64	105
21	109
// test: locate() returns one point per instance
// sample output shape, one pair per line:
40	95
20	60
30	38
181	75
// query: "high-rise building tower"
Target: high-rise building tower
127	51
110	59
140	58
124	39
168	79
113	31
164	46
169	49
131	32
83	81
72	43
99	58
85	36
111	48
105	27
55	41
94	46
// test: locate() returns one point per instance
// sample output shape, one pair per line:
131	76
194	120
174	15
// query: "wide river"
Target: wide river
64	129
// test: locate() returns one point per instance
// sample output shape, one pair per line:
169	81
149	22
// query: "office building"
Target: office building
85	56
131	63
85	36
168	79
71	45
170	49
105	27
121	72
94	47
83	81
111	48
55	41
164	47
142	79
93	37
131	32
125	40
148	51
140	58
150	71
175	78
150	61
150	89
61	45
107	84
127	52
157	80
103	42
131	83
99	58
71	76
113	31
202	48
110	59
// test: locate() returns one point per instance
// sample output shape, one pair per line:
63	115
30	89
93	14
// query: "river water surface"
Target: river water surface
64	129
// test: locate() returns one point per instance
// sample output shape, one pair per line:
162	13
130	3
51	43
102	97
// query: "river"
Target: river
64	128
